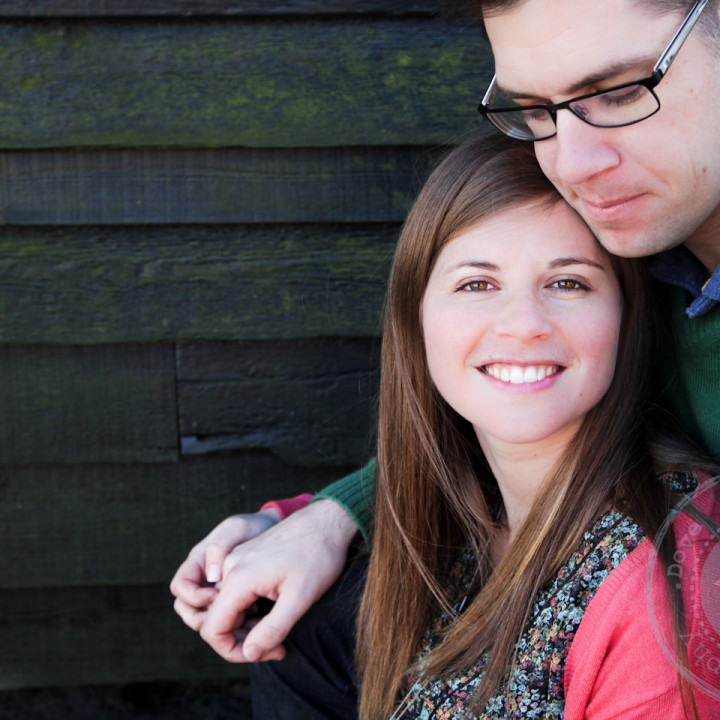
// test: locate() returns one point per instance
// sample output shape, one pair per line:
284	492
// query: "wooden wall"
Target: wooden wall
198	204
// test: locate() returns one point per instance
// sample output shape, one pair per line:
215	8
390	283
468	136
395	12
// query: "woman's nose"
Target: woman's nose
524	317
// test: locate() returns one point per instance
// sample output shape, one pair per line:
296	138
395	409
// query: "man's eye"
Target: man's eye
624	96
535	114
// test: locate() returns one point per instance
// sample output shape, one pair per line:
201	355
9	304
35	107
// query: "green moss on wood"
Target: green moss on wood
109	285
230	83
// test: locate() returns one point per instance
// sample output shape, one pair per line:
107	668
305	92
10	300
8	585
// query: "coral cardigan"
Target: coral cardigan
621	663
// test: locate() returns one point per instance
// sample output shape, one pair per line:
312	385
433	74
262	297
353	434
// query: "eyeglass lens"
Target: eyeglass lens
614	108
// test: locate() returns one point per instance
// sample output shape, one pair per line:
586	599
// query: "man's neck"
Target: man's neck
709	256
705	243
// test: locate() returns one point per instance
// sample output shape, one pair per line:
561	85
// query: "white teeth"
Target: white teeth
530	375
517	375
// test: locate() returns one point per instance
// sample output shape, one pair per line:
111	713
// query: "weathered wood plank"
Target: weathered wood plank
173	8
88	636
101	285
212	186
231	83
87	404
310	403
114	525
281	360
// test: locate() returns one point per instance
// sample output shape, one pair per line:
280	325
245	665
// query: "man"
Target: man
647	181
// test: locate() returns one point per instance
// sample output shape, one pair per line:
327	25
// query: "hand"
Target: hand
194	584
293	564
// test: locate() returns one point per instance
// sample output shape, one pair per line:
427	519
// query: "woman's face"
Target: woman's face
521	318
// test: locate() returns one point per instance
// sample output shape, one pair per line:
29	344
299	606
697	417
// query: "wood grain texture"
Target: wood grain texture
90	636
311	403
175	8
87	404
213	186
115	525
101	285
230	83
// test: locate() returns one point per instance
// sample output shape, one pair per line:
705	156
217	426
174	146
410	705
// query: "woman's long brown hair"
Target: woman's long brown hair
435	493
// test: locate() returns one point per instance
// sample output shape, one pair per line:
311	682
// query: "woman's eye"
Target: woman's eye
569	284
477	286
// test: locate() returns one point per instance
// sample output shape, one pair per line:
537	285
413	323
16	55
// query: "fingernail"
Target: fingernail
213	573
251	652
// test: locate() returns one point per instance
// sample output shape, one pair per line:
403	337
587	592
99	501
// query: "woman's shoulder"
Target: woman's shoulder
623	655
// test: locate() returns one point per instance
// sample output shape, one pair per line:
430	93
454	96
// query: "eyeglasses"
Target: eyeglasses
617	106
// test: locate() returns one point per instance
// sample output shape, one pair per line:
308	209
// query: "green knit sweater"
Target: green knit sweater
691	372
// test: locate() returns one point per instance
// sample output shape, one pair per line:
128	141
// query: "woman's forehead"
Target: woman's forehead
545	229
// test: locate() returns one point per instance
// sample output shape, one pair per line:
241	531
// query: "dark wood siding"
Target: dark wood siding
198	206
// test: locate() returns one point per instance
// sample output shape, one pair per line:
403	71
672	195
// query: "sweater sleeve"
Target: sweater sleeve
356	494
622	662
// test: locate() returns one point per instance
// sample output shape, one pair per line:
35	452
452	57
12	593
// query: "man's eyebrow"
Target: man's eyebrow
565	261
595	78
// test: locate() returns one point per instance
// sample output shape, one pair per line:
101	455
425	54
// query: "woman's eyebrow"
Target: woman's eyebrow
556	263
565	261
480	264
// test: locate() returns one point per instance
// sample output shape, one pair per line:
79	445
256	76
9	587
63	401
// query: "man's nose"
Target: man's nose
581	150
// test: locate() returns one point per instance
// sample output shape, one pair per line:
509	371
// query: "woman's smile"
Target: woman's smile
520	374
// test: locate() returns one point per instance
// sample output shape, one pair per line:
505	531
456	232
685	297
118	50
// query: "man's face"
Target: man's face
642	188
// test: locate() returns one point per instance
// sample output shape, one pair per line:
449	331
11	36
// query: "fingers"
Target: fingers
229	622
232	645
193	617
222	626
264	640
189	586
194	579
277	652
214	558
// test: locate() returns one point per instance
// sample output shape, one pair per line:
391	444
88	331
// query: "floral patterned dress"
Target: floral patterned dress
534	687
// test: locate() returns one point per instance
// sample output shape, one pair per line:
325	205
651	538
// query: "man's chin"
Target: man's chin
632	242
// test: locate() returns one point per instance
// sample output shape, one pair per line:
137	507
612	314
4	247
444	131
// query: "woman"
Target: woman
517	494
518	499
